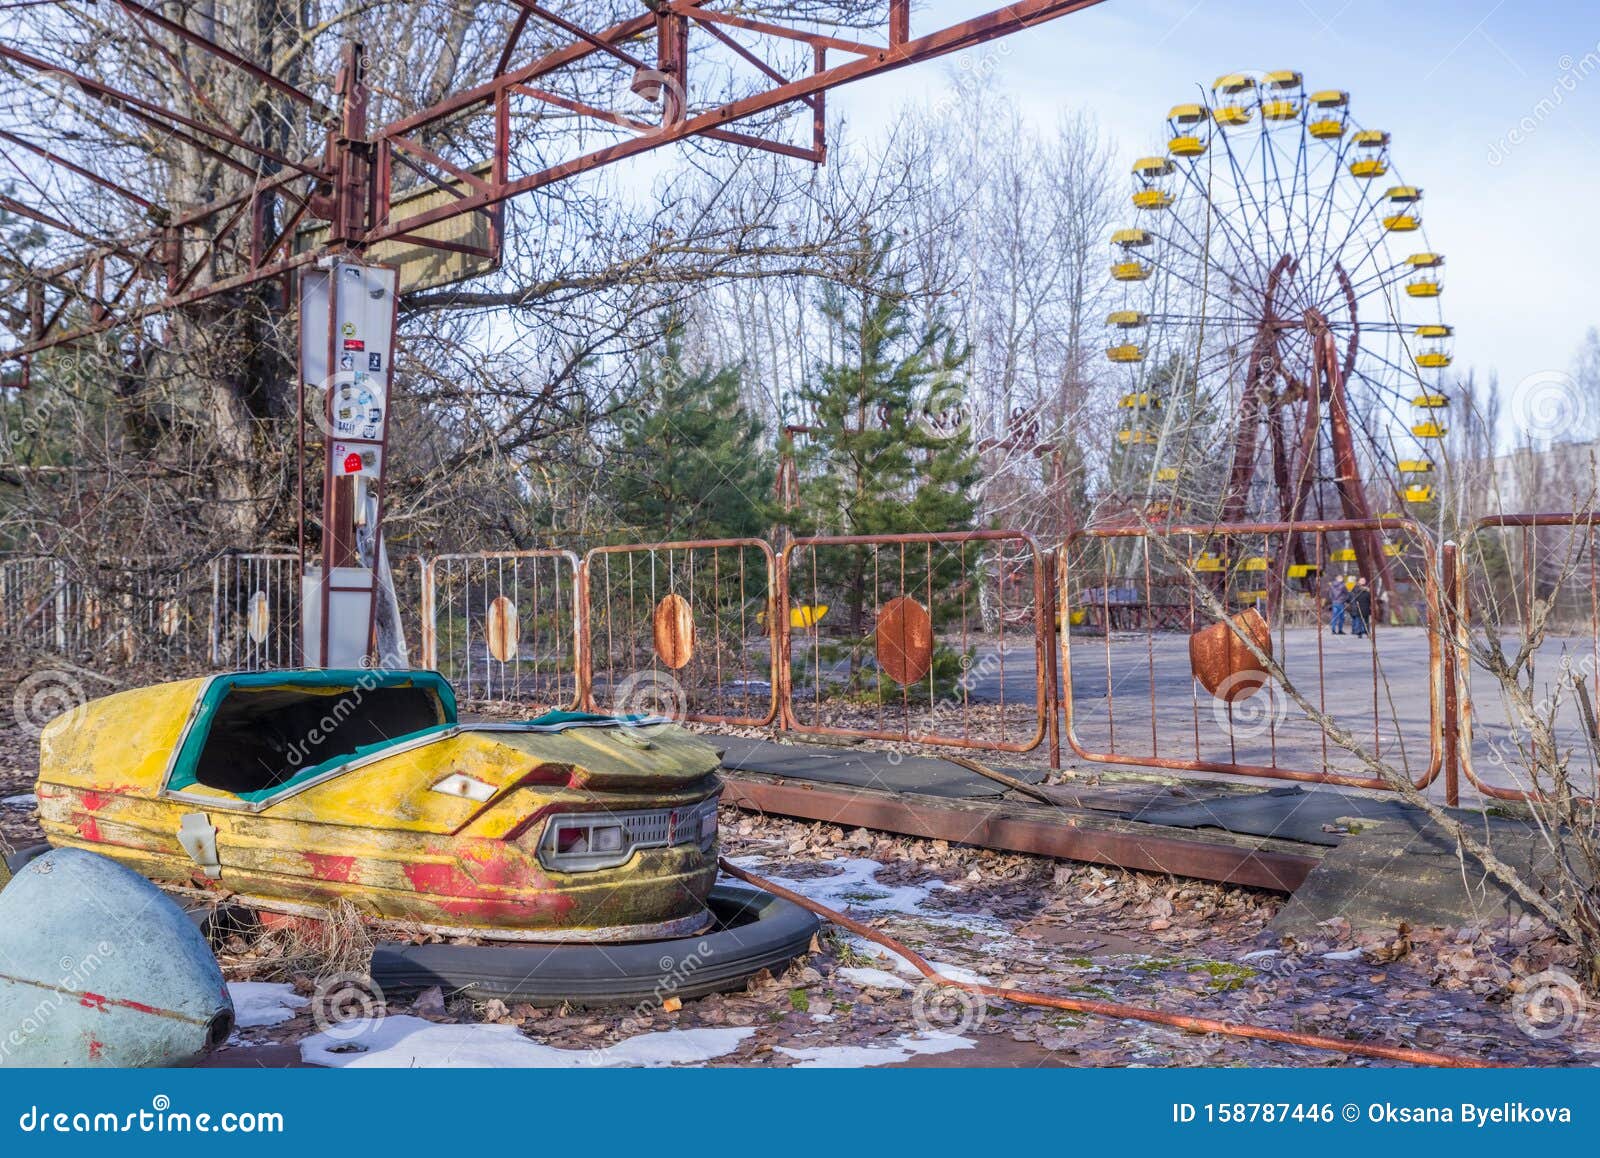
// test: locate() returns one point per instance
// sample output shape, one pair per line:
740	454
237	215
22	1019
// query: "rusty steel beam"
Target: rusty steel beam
956	37
356	184
1064	833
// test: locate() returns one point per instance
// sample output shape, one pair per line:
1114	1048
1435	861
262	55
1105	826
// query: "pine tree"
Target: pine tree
876	462
691	463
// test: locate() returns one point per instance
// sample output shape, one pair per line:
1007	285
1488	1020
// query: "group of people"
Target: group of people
1350	600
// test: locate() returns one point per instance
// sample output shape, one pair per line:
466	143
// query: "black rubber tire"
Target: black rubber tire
755	931
22	856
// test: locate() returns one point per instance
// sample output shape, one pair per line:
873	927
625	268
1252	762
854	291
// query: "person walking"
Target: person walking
1360	609
1337	601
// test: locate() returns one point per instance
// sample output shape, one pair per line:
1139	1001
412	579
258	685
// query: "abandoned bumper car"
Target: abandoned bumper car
290	792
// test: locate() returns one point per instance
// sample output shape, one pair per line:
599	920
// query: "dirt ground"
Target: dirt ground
1016	922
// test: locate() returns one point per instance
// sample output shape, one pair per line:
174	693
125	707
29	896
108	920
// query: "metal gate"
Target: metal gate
939	639
682	629
1130	597
505	626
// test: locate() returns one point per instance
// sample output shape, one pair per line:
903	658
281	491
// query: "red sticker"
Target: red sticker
352	463
354	344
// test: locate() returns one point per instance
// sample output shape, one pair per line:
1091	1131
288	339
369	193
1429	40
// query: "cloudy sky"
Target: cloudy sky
1494	107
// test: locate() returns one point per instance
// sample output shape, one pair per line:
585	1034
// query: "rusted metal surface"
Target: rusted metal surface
673	629
682	629
986	682
1223	663
905	640
1121	706
355	179
1040	830
505	626
1114	1009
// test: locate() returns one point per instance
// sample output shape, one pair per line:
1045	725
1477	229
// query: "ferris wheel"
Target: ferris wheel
1279	325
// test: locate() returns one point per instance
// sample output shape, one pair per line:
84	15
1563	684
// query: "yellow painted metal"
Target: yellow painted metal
1343	555
1371	139
1402	223
1418	493
1234	83
1252	596
1192	114
1416	466
1431	401
1433	360
1132	238
375	833
1127	319
1186	146
1149	199
1280	110
1129	271
1429	429
1424	288
1255	563
1125	353
1231	116
1208	562
1433	330
1326	128
1167	474
1302	570
1404	194
1283	79
1151	168
1394	550
1136	438
1143	400
1368	167
1330	98
1425	260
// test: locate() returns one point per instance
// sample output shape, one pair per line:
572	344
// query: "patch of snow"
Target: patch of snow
865	948
857	1056
263	1003
1259	954
856	886
874	978
26	800
1343	955
405	1042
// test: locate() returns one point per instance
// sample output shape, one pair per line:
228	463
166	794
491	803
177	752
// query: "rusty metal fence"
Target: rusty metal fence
682	629
505	626
940	639
1131	599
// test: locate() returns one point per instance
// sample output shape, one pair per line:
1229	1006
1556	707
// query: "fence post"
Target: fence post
583	661
430	641
1452	737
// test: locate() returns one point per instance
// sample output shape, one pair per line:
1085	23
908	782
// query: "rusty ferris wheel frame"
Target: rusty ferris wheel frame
247	238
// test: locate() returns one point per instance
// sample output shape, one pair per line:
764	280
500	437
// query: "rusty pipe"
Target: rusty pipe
1114	1009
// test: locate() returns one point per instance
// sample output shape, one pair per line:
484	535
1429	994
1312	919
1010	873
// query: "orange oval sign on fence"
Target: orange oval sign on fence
673	630
905	640
503	630
1222	662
